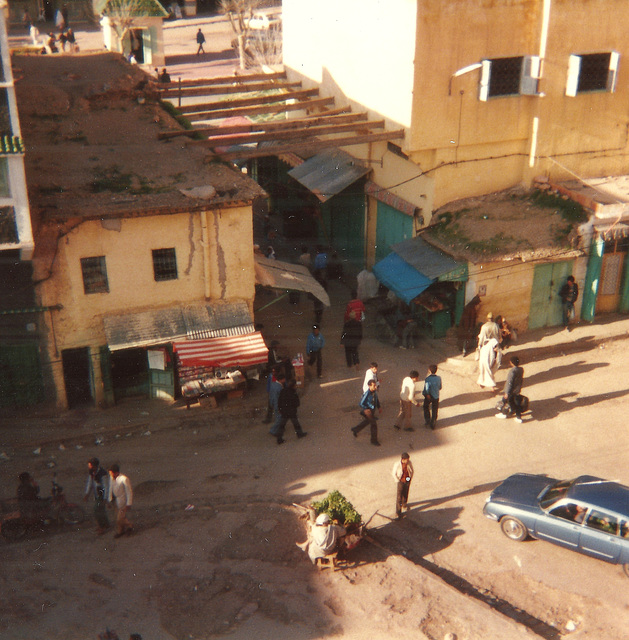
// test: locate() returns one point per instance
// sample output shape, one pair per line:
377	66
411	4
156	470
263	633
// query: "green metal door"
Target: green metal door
161	380
392	226
343	219
21	381
545	308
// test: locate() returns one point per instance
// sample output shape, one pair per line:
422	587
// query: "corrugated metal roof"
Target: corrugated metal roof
428	260
328	173
287	276
159	326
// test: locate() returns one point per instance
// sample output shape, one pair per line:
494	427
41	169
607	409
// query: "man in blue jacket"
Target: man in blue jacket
314	345
368	405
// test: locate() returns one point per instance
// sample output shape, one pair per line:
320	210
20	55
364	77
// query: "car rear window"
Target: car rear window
554	493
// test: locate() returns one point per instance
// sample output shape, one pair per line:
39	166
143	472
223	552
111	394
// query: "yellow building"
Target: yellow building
138	242
491	96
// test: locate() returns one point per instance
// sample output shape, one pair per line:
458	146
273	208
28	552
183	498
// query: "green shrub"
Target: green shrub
338	508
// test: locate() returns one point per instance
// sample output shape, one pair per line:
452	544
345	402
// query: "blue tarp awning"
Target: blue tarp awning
414	265
405	281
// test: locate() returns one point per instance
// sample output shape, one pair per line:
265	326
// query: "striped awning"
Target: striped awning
231	351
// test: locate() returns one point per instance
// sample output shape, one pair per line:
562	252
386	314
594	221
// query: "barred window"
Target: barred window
164	264
94	275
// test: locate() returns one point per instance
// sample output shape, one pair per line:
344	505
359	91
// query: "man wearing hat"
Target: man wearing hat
488	331
323	538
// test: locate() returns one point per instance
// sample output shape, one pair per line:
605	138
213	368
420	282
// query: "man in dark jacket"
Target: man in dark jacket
513	387
287	405
98	486
368	405
568	294
351	338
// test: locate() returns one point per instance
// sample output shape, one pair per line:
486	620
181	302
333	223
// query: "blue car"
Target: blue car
588	514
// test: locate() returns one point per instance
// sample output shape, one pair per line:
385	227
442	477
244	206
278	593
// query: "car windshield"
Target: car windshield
553	493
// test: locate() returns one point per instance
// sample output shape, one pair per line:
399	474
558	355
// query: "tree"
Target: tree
240	13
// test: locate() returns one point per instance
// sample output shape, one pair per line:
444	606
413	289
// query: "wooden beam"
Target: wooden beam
226	89
250	111
301	134
327	117
244	102
209	82
305	148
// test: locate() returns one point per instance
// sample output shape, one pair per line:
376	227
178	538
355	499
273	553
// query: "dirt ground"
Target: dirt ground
214	551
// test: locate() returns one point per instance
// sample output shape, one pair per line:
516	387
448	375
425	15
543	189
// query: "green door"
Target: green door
21	381
392	226
343	220
545	308
161	373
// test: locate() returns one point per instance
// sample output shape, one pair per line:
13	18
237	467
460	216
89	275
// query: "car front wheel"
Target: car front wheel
626	568
513	529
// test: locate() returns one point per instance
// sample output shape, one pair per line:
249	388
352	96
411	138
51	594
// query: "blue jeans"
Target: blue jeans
567	312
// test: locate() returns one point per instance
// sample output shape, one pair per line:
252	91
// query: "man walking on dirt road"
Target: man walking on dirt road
120	489
98	485
200	41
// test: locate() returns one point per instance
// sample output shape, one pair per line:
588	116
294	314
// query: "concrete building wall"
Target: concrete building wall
418	64
358	50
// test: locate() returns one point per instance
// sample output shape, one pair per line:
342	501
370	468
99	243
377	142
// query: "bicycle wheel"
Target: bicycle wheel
72	514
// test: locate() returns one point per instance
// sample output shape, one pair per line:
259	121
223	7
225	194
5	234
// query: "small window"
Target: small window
569	511
509	77
94	275
592	72
603	522
164	264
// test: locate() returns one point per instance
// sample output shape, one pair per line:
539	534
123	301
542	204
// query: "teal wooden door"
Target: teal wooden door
545	310
392	226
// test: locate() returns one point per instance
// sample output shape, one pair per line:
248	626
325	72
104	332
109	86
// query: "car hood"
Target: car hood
521	488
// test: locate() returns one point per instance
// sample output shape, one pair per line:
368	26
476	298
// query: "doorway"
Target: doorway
612	269
77	376
545	309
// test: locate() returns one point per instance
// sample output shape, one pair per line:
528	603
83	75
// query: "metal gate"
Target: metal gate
21	380
545	310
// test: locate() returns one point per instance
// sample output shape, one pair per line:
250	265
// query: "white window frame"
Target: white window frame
530	74
574	70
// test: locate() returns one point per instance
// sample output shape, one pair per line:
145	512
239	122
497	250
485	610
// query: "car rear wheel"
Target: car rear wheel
626	568
513	529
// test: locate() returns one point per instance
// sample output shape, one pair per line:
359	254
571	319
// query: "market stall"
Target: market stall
218	366
428	285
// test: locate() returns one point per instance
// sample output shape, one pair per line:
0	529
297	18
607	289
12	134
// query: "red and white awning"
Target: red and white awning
230	351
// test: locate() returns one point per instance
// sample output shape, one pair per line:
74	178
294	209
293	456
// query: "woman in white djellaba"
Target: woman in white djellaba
488	363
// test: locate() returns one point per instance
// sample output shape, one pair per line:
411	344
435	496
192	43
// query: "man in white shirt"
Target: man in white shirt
407	400
371	374
120	490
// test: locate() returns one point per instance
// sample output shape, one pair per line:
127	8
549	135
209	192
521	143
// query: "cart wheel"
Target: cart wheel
13	530
72	514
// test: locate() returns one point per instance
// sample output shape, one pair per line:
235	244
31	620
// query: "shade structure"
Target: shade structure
289	277
231	351
398	276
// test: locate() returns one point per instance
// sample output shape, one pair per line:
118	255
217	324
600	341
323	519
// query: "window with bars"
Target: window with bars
164	264
509	77
592	72
94	272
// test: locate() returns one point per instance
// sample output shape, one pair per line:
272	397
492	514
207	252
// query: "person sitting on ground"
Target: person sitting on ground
28	499
323	538
51	45
506	333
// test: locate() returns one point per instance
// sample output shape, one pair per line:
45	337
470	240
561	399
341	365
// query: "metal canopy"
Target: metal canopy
159	326
432	262
287	276
328	173
413	266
